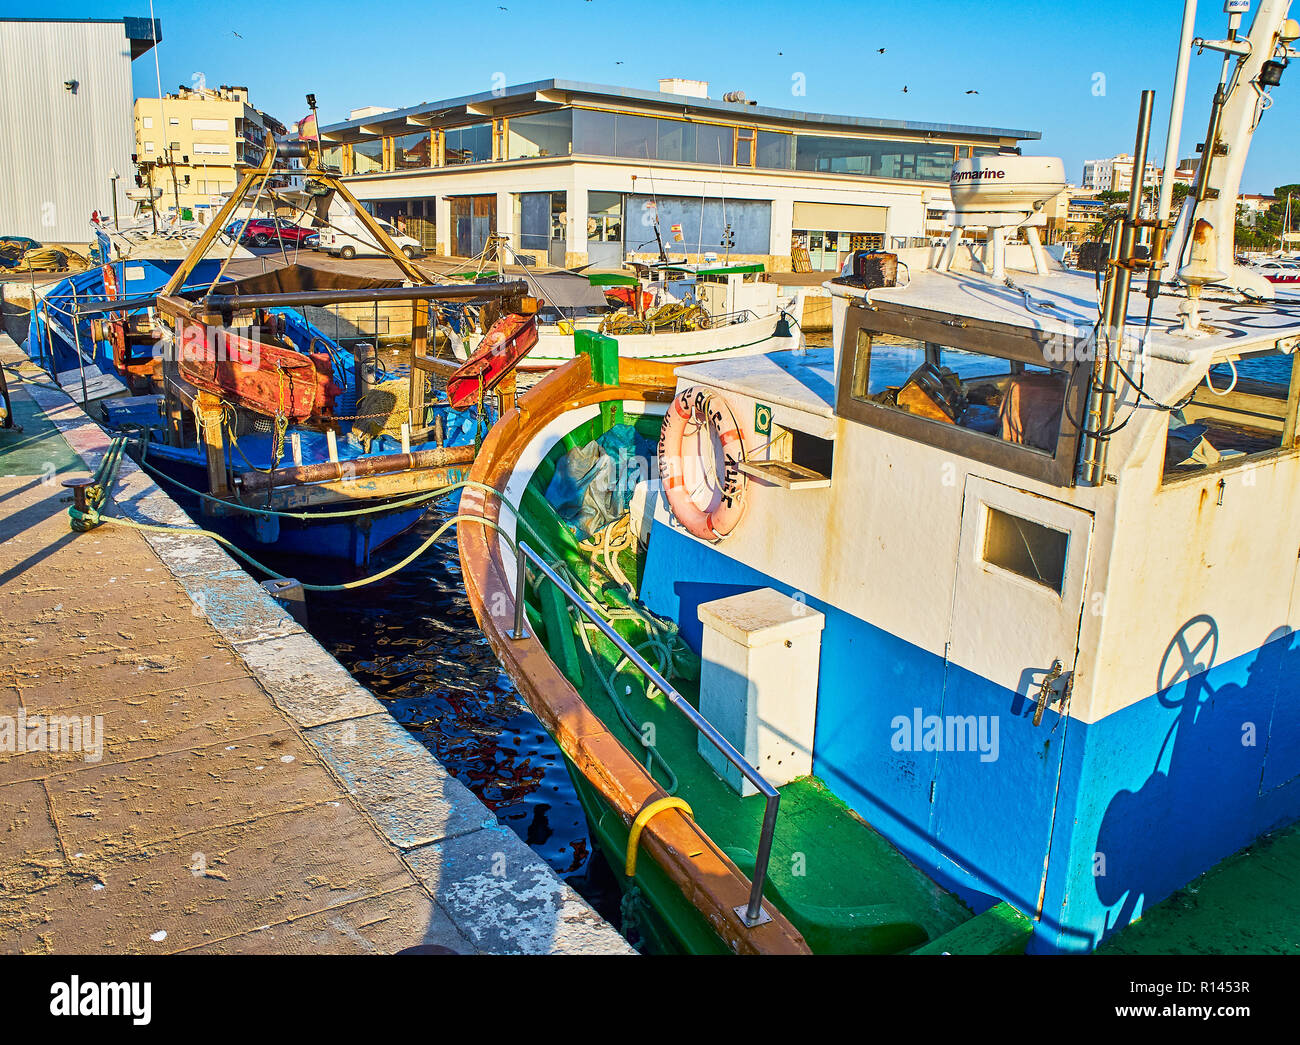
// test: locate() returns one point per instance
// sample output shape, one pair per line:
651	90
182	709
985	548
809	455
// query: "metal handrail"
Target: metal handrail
751	914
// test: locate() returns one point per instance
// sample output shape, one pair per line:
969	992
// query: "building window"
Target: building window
745	146
209	149
646	138
209	125
775	151
469	144
148	146
147	122
411	150
368	156
542	134
879	159
542	217
604	217
332	157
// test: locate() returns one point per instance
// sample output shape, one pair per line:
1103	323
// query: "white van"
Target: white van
349	238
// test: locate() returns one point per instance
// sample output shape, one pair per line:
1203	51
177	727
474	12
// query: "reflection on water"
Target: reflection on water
412	640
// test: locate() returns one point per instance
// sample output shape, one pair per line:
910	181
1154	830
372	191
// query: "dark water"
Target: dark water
412	640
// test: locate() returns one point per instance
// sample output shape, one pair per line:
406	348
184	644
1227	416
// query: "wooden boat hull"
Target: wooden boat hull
695	870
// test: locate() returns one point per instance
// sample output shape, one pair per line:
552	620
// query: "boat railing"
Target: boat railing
726	319
751	914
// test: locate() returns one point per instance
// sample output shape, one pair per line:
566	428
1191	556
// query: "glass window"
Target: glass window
1025	547
469	144
332	157
676	141
542	134
593	133
881	159
411	150
368	156
605	217
714	145
775	151
635	137
1241	412
998	398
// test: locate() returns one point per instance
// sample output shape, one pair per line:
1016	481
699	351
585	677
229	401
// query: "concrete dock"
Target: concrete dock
231	788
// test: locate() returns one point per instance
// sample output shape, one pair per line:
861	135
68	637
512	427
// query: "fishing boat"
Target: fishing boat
955	636
669	311
271	432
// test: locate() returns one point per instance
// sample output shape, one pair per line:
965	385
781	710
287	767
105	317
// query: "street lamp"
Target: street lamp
112	177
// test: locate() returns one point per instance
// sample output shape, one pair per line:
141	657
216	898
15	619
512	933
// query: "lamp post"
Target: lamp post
112	177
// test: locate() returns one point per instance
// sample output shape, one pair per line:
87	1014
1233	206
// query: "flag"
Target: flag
307	129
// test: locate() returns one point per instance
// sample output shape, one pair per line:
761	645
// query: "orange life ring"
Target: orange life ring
698	407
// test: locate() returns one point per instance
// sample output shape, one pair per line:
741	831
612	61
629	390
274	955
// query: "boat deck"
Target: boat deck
1244	905
233	790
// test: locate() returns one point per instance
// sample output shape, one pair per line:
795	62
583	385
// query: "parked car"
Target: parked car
349	237
262	231
312	242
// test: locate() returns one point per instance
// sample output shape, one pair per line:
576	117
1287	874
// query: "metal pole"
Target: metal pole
1115	321
1176	104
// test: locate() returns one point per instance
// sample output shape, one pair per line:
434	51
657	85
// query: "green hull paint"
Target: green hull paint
840	882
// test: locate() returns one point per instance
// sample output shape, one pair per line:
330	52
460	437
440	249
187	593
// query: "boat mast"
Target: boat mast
1202	249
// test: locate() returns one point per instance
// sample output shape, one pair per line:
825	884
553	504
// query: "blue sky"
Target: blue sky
1035	65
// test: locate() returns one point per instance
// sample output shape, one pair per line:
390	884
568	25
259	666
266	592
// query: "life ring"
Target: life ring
699	406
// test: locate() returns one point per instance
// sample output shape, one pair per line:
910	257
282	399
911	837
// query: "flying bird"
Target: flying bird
972	92
237	34
904	90
618	63
880	50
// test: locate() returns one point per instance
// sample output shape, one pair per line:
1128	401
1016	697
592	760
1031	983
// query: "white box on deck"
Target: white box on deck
758	683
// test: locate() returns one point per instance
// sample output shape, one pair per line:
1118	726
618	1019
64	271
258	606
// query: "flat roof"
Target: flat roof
563	92
138	30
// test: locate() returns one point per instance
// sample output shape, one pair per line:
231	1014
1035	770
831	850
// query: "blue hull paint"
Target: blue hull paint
353	541
1163	790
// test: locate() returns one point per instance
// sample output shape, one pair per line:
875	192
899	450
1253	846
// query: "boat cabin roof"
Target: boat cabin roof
1065	302
801	380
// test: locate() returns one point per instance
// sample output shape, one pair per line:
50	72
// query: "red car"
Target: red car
261	231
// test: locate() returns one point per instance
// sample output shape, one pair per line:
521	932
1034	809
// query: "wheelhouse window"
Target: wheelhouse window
1245	408
990	392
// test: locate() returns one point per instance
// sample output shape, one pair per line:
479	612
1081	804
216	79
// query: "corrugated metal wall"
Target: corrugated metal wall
58	146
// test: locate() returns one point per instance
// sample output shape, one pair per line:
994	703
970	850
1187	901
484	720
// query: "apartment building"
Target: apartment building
193	146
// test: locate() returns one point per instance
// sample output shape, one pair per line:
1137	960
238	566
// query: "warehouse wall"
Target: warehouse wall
59	144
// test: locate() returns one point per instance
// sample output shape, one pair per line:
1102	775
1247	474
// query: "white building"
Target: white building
583	174
1116	174
65	121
